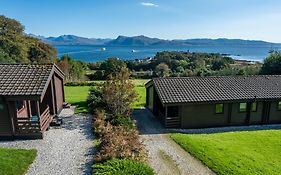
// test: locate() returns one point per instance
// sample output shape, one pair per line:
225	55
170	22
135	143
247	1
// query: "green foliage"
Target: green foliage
180	64
16	47
122	166
272	64
118	93
73	70
81	83
162	70
15	161
95	99
118	120
112	66
247	152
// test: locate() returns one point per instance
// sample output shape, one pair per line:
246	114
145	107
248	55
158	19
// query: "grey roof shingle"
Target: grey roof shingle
224	88
24	79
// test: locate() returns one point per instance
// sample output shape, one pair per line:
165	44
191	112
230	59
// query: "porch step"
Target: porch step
57	121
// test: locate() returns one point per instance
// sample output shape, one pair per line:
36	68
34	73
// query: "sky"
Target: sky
167	19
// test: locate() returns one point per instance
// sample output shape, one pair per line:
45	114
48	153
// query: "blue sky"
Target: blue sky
168	19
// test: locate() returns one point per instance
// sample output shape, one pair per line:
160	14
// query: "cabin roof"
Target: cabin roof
25	79
213	89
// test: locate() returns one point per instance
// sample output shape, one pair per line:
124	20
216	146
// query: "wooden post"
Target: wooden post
38	108
54	108
28	105
55	98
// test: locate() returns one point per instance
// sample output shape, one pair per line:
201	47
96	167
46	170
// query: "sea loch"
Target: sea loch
91	53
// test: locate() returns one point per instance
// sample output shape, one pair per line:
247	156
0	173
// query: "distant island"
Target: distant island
147	41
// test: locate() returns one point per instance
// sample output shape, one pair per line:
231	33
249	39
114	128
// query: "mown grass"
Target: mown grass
140	102
247	153
77	95
15	161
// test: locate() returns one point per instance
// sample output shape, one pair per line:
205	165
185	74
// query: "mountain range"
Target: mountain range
147	41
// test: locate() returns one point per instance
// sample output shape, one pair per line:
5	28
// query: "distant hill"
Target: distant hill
139	41
72	40
147	41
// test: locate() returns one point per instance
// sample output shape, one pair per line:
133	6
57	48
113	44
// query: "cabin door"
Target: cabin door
265	112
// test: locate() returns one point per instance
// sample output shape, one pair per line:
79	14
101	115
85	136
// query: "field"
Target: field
15	161
77	95
247	153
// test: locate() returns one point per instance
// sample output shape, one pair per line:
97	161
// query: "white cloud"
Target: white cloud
149	4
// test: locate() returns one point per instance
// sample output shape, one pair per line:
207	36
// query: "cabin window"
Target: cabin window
219	108
279	105
173	111
254	107
242	107
20	105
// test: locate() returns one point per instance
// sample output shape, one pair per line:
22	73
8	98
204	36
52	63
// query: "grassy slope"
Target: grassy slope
254	152
77	95
15	161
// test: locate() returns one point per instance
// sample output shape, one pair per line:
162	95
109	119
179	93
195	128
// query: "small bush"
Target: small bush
83	83
100	126
95	100
122	120
120	142
123	166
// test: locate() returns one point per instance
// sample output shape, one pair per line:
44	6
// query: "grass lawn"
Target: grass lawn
15	161
253	152
141	97
77	95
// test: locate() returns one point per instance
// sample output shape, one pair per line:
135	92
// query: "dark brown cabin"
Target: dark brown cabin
30	96
199	102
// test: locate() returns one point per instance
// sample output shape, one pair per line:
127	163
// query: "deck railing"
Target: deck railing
29	126
45	119
25	126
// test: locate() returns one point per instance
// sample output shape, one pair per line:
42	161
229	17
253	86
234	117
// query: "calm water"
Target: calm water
96	53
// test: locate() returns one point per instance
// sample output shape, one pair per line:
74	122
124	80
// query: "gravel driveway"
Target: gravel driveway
165	156
66	150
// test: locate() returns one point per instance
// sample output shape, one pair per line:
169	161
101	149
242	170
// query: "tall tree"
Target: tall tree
162	70
118	93
272	64
16	47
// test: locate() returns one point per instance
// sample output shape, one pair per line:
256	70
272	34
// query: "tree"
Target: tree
73	70
112	66
15	46
162	70
118	93
272	64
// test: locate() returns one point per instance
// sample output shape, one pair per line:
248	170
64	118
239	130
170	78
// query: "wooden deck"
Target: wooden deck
26	126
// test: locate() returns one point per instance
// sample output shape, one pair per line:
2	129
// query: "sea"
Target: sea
90	53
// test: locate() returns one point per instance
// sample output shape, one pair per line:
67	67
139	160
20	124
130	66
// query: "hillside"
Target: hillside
147	41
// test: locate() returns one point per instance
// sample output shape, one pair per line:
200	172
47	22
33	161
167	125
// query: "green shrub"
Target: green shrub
83	83
122	167
95	99
118	120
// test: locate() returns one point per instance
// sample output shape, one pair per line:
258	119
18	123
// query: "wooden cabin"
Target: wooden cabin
30	96
199	102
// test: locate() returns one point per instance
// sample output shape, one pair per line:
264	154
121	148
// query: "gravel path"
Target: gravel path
165	156
64	150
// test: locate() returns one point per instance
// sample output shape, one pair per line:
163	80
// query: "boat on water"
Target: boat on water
103	49
133	51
